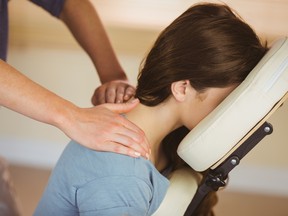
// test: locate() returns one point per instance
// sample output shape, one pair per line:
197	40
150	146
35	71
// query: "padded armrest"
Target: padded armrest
225	126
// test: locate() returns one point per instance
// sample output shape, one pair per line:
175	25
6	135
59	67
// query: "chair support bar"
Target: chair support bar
216	178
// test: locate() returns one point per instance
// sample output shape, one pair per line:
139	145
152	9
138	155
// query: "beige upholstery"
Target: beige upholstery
183	186
223	128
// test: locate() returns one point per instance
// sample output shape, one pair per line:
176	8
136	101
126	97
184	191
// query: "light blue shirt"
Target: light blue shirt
86	182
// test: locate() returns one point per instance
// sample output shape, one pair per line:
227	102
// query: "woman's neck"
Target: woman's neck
156	122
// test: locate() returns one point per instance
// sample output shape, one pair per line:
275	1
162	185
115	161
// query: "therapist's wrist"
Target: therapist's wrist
64	116
114	76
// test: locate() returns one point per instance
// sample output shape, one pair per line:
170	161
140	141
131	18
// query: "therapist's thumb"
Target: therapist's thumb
122	107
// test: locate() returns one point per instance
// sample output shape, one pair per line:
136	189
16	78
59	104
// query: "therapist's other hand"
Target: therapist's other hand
102	128
116	91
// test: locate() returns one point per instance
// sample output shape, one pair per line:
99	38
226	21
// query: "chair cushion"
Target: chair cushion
225	126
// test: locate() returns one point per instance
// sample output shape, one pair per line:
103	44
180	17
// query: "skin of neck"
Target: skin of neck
156	122
186	106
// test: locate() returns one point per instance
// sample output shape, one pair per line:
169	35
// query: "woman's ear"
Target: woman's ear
180	89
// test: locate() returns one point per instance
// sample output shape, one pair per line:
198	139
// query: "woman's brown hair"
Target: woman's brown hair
210	46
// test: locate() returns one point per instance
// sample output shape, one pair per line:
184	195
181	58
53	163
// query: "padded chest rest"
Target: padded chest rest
224	127
183	185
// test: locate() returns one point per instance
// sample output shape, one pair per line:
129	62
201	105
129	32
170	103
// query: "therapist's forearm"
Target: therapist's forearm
83	21
19	93
99	128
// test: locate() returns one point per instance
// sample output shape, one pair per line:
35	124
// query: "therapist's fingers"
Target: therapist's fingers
130	130
119	91
110	94
119	94
116	91
122	144
98	96
100	126
127	138
129	93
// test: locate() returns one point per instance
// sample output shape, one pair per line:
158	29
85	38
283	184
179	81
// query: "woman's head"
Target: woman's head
208	45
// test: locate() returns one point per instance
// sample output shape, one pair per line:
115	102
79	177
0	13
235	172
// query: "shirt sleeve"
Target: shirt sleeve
55	201
54	7
114	196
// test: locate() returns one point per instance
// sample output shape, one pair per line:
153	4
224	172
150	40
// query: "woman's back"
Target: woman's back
87	182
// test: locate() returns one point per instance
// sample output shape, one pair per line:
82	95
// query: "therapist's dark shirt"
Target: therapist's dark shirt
54	7
3	29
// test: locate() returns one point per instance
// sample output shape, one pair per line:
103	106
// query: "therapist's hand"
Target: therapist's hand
116	91
102	128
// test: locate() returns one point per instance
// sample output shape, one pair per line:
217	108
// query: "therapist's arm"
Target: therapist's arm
97	128
83	21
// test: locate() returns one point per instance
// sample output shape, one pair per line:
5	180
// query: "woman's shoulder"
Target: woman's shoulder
146	169
95	164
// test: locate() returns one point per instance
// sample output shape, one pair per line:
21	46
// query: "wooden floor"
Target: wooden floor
30	182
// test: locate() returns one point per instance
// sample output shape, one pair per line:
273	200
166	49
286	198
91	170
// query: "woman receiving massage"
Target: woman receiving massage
194	64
